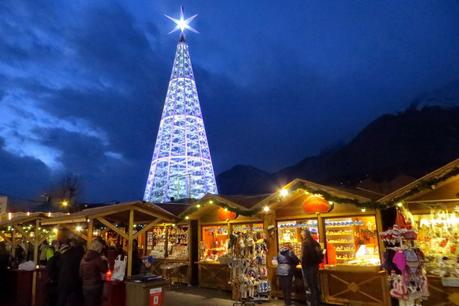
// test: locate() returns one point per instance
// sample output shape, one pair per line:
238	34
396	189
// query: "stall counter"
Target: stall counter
214	275
354	286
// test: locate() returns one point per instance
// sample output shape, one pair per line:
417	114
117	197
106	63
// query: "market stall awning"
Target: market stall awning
144	213
22	219
298	187
430	183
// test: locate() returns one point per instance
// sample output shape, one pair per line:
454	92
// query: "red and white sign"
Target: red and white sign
156	296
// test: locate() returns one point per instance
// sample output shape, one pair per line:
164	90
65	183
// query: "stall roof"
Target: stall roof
443	174
23	219
174	208
144	212
246	201
298	183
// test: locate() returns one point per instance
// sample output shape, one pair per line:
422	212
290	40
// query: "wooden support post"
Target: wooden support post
271	237
13	244
379	227
36	240
130	242
90	231
166	254
321	228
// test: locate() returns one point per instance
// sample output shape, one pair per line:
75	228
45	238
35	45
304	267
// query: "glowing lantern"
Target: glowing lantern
224	214
316	204
108	275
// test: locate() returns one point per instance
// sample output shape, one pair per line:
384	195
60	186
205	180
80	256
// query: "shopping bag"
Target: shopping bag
119	268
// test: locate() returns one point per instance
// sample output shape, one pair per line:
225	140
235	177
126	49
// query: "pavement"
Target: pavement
205	297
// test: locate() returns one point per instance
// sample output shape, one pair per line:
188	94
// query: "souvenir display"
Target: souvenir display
438	238
247	262
404	262
156	242
214	242
352	241
178	242
290	231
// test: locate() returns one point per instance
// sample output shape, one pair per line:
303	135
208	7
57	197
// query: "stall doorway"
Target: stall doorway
194	252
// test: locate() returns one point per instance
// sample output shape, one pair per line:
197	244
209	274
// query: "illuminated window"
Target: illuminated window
352	241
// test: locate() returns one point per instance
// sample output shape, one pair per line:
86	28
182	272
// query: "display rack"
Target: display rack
248	270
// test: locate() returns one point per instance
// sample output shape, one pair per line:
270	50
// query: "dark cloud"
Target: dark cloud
21	176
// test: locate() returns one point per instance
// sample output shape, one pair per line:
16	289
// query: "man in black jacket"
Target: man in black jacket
311	257
69	285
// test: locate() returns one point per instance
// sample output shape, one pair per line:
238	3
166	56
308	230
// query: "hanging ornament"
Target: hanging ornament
224	214
316	204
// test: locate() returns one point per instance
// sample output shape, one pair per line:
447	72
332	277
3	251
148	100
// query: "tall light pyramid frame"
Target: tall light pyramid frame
181	166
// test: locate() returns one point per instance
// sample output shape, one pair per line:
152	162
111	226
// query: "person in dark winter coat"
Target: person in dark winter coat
287	261
4	263
52	266
68	285
311	257
92	268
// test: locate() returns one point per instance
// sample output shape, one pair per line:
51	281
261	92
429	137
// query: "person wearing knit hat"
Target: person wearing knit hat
96	245
92	267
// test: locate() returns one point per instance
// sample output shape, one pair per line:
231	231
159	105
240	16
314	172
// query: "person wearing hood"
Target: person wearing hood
287	261
92	268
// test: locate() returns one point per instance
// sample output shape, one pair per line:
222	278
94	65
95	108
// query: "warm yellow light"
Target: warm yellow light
283	193
186	218
78	228
49	214
330	202
226	209
211	202
65	203
28	213
10	216
364	209
399	204
55	230
266	209
173	225
198	206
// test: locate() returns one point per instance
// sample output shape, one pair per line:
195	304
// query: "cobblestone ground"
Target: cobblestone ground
205	297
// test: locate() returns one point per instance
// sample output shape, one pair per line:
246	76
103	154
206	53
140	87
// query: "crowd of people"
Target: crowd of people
75	270
311	257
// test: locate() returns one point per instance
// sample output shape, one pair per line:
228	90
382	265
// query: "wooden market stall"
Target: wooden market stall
431	204
24	232
129	221
212	221
345	224
169	245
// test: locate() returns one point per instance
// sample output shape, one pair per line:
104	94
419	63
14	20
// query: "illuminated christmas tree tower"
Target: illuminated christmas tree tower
181	166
